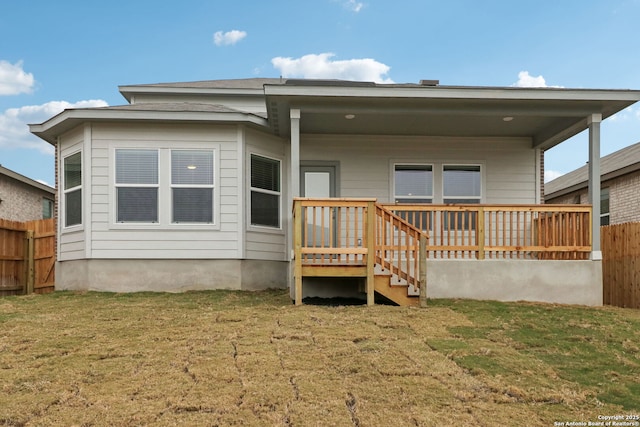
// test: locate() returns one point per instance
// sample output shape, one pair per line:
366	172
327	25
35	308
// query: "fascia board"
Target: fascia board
56	125
550	94
128	91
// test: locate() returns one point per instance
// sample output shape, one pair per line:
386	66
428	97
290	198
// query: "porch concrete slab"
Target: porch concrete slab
563	282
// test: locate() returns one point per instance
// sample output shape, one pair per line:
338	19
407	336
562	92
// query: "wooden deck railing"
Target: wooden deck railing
333	237
348	237
501	231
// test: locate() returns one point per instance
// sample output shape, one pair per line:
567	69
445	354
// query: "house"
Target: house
619	186
23	199
328	187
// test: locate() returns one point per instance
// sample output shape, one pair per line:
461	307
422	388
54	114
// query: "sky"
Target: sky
69	53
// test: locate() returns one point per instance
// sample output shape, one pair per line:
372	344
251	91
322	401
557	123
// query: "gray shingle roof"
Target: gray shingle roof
615	164
253	83
178	107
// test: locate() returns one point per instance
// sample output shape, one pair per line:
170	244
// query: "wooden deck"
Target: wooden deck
361	238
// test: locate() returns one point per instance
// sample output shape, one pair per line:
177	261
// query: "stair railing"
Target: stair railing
400	248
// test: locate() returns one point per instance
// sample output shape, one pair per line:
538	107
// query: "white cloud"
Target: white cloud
14	132
354	5
527	80
323	67
14	80
229	38
551	175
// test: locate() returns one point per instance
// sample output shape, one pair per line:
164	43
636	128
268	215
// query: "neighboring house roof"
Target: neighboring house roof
18	177
613	165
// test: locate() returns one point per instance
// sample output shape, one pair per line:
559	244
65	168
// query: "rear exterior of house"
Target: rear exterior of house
329	188
23	199
620	187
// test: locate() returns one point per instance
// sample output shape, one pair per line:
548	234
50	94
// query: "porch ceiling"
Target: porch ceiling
547	116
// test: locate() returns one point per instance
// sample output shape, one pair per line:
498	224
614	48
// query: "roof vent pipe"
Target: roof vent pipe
429	82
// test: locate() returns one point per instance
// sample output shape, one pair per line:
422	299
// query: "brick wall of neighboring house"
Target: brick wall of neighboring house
624	198
20	201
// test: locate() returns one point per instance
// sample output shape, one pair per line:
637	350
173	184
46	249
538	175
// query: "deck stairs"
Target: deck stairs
373	243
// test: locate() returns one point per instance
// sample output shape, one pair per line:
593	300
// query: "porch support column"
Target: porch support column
294	191
295	153
594	183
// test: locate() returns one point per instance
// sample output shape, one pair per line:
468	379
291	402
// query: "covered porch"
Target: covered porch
494	240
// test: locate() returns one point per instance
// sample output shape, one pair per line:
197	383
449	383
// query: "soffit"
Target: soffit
546	116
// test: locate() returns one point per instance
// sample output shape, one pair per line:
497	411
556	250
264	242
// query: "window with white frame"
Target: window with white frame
413	183
72	172
604	206
265	191
461	184
192	186
137	185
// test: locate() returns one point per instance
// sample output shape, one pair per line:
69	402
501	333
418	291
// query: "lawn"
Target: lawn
232	358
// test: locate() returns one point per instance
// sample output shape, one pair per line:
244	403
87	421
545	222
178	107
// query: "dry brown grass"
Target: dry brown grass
223	358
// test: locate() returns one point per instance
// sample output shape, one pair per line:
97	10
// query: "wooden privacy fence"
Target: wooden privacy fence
621	264
27	257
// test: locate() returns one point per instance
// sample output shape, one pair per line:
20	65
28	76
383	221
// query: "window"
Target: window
192	186
461	184
72	189
413	183
604	207
265	191
137	186
47	208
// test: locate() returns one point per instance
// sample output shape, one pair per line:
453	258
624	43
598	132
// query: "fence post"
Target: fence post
29	262
422	253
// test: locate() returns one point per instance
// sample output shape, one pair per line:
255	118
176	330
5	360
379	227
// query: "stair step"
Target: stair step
396	293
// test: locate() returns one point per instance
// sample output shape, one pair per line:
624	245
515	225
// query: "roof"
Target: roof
163	111
253	83
616	164
545	116
18	177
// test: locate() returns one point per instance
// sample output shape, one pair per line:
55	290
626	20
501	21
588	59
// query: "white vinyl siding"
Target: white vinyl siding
266	243
70	239
366	163
165	240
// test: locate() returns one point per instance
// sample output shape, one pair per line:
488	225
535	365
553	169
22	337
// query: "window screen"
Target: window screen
73	190
265	191
137	185
413	183
192	181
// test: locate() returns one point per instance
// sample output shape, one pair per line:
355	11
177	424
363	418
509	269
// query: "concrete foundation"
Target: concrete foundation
563	282
126	275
